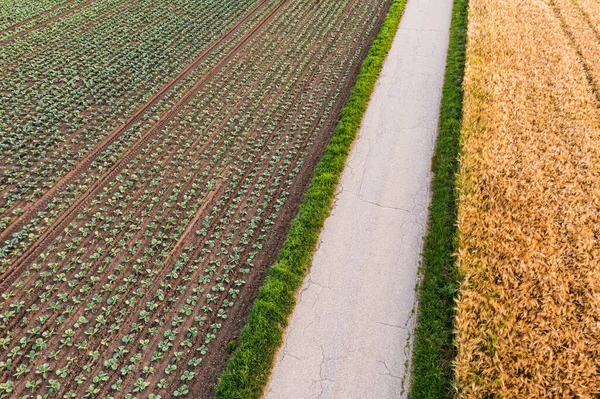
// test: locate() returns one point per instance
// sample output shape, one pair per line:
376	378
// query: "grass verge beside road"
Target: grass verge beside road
434	351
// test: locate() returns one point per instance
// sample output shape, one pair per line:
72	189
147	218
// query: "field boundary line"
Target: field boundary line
433	350
247	371
63	220
33	208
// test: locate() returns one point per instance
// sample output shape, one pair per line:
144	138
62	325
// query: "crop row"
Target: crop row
29	25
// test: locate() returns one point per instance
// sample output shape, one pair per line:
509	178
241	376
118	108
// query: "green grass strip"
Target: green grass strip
247	371
433	353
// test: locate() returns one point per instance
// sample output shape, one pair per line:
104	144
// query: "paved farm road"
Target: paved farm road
350	334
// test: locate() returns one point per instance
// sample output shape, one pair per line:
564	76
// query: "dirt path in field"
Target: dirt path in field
350	334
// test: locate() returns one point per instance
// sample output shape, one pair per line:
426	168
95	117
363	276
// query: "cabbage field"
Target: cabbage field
152	156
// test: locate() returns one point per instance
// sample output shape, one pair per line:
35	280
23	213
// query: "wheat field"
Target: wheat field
528	310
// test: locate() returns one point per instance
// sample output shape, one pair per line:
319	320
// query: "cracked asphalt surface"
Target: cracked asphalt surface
351	332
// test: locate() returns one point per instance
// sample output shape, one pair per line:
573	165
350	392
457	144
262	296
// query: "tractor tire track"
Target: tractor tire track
587	68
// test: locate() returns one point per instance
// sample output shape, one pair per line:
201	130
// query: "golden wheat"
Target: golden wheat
528	312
